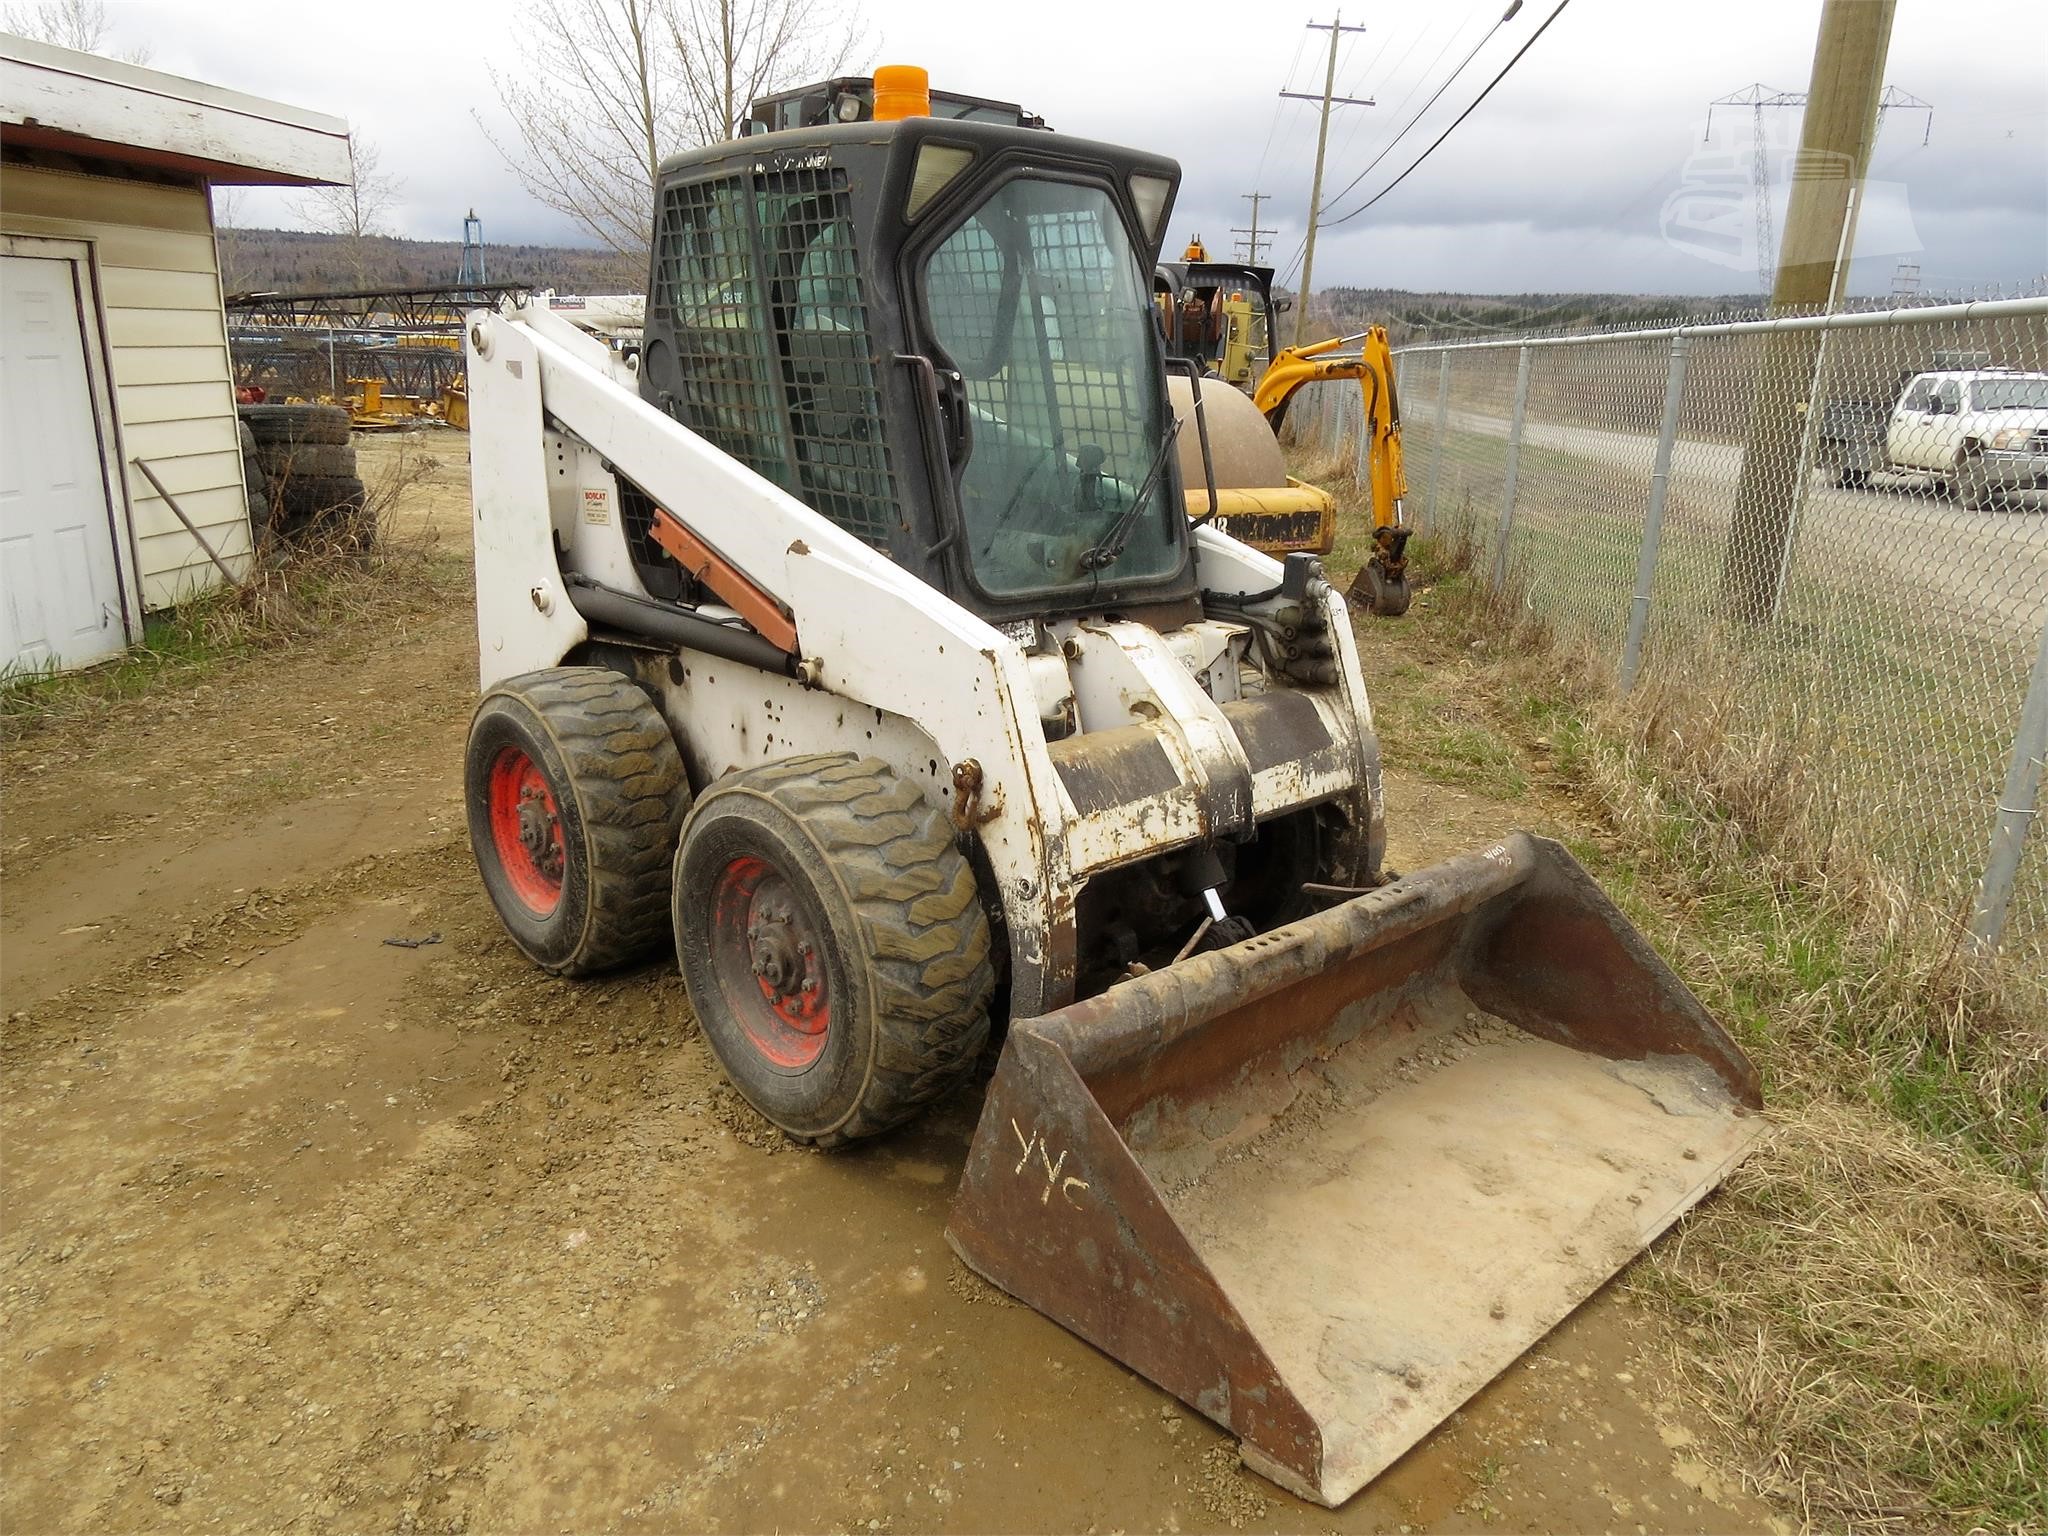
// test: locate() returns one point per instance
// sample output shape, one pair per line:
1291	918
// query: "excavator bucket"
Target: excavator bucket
1324	1184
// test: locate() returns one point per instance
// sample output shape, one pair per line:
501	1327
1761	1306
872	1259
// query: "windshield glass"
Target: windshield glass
1038	300
2010	394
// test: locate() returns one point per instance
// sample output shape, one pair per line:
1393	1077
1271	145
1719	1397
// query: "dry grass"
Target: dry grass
1864	1310
1865	1306
345	577
1864	1318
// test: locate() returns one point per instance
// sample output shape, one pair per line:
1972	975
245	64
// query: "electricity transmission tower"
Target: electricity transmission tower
1757	98
1248	248
472	273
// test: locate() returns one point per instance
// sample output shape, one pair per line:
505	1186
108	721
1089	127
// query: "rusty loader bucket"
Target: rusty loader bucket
1323	1185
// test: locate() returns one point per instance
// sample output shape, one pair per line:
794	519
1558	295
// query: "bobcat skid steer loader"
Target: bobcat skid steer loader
857	641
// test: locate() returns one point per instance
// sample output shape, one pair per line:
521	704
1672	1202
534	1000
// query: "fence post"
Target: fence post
1653	519
1507	495
1443	416
1361	448
2018	805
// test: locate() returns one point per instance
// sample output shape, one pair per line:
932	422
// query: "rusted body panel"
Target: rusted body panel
1324	1184
1284	519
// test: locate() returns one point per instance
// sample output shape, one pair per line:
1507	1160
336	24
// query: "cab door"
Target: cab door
1906	438
1944	438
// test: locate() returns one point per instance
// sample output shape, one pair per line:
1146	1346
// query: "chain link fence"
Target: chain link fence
1829	534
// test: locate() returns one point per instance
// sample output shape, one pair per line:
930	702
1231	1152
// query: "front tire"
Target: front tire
833	944
1974	487
575	795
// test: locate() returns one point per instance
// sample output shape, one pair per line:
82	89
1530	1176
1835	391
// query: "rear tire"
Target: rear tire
575	796
832	943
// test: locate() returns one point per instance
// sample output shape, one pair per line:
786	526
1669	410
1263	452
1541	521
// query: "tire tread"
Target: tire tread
627	775
913	895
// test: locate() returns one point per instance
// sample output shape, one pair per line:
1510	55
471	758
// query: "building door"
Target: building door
60	575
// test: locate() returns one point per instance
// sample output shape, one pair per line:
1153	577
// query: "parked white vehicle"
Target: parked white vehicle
1986	429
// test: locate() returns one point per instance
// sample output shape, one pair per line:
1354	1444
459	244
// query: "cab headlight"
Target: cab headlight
2011	437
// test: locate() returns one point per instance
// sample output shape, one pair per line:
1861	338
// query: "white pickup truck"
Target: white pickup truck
1984	429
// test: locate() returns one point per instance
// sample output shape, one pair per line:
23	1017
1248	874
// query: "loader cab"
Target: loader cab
937	333
1218	315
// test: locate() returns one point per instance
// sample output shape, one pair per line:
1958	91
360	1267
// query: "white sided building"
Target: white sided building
113	344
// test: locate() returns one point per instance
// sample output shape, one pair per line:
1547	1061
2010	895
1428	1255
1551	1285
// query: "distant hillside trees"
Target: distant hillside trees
300	261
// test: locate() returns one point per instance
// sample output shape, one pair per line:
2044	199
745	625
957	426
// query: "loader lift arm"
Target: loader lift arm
1382	582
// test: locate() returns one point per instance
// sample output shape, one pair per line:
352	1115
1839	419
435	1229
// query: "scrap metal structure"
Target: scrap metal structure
405	341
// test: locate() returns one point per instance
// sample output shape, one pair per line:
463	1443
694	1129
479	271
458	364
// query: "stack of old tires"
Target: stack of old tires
309	488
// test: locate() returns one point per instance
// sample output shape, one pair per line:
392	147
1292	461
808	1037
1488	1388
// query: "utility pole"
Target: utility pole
1336	28
1834	157
1253	239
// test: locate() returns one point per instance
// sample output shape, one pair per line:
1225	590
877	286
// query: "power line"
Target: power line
1417	161
1300	44
1421	76
1423	111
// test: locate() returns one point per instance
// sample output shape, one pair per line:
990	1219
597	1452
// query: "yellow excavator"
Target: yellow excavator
1221	316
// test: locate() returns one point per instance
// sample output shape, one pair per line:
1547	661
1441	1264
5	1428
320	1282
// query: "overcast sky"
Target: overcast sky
1585	169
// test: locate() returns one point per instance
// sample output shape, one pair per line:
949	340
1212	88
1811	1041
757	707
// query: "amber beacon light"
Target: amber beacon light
902	90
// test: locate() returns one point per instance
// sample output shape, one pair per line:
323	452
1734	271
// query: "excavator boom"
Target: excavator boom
1382	582
1220	317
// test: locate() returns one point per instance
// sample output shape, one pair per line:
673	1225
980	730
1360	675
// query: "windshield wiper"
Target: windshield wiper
1102	556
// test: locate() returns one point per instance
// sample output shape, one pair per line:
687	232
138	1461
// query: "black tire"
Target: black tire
598	837
296	423
302	504
1973	485
324	461
255	485
831	876
1851	478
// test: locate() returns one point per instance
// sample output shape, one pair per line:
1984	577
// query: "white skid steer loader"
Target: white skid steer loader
857	637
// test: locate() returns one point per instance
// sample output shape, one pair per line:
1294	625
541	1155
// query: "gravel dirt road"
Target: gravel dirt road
308	1232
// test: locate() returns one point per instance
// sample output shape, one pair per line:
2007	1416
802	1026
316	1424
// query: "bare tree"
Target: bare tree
610	86
356	211
594	104
79	24
227	237
733	51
